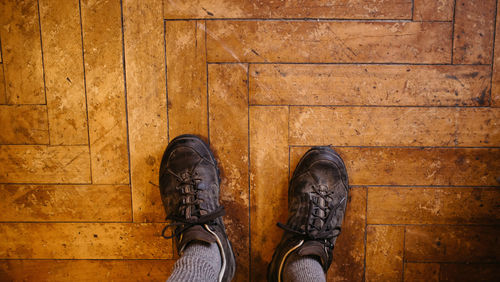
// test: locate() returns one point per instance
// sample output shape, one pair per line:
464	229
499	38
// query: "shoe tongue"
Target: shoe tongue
314	248
197	233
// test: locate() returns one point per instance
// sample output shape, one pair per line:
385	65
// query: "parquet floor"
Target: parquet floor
408	92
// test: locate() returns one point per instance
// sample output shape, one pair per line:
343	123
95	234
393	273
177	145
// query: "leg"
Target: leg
189	187
317	198
199	262
303	269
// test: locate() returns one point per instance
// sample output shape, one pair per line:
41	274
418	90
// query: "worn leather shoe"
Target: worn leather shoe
189	187
317	199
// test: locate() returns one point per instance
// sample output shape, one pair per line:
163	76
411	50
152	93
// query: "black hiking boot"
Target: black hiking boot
317	199
189	187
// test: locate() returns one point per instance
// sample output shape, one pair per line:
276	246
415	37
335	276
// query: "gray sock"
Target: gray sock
199	262
303	269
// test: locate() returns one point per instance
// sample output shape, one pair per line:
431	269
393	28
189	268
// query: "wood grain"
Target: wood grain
44	164
102	40
444	243
187	78
384	253
268	183
21	52
398	85
228	101
64	72
24	124
395	126
358	9
433	10
146	103
96	203
416	166
83	241
328	42
85	270
402	205
474	31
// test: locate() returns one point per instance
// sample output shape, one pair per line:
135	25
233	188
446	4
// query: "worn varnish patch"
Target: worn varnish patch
44	164
146	102
102	36
322	42
339	9
474	29
84	241
410	85
268	183
21	52
433	10
229	139
394	126
186	77
417	166
64	73
403	205
444	243
85	270
24	124
65	203
349	253
384	253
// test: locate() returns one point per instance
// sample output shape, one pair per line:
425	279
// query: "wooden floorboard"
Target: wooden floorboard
406	91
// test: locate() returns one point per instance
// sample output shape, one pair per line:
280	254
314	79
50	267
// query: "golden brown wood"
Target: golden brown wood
186	77
401	205
102	36
474	29
268	183
384	253
21	52
146	101
401	85
44	164
417	166
64	73
495	80
3	97
85	270
444	243
24	124
83	241
349	253
321	42
229	139
425	160
65	203
433	10
358	9
469	272
394	126
422	272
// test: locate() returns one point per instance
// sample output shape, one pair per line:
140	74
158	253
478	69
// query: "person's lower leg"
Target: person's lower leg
200	261
303	269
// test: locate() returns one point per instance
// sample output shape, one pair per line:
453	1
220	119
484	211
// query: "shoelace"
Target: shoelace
312	232
190	206
187	223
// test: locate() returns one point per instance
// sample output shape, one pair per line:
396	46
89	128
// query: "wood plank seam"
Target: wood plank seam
493	52
85	88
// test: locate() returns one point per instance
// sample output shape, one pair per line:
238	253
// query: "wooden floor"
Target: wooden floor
407	91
